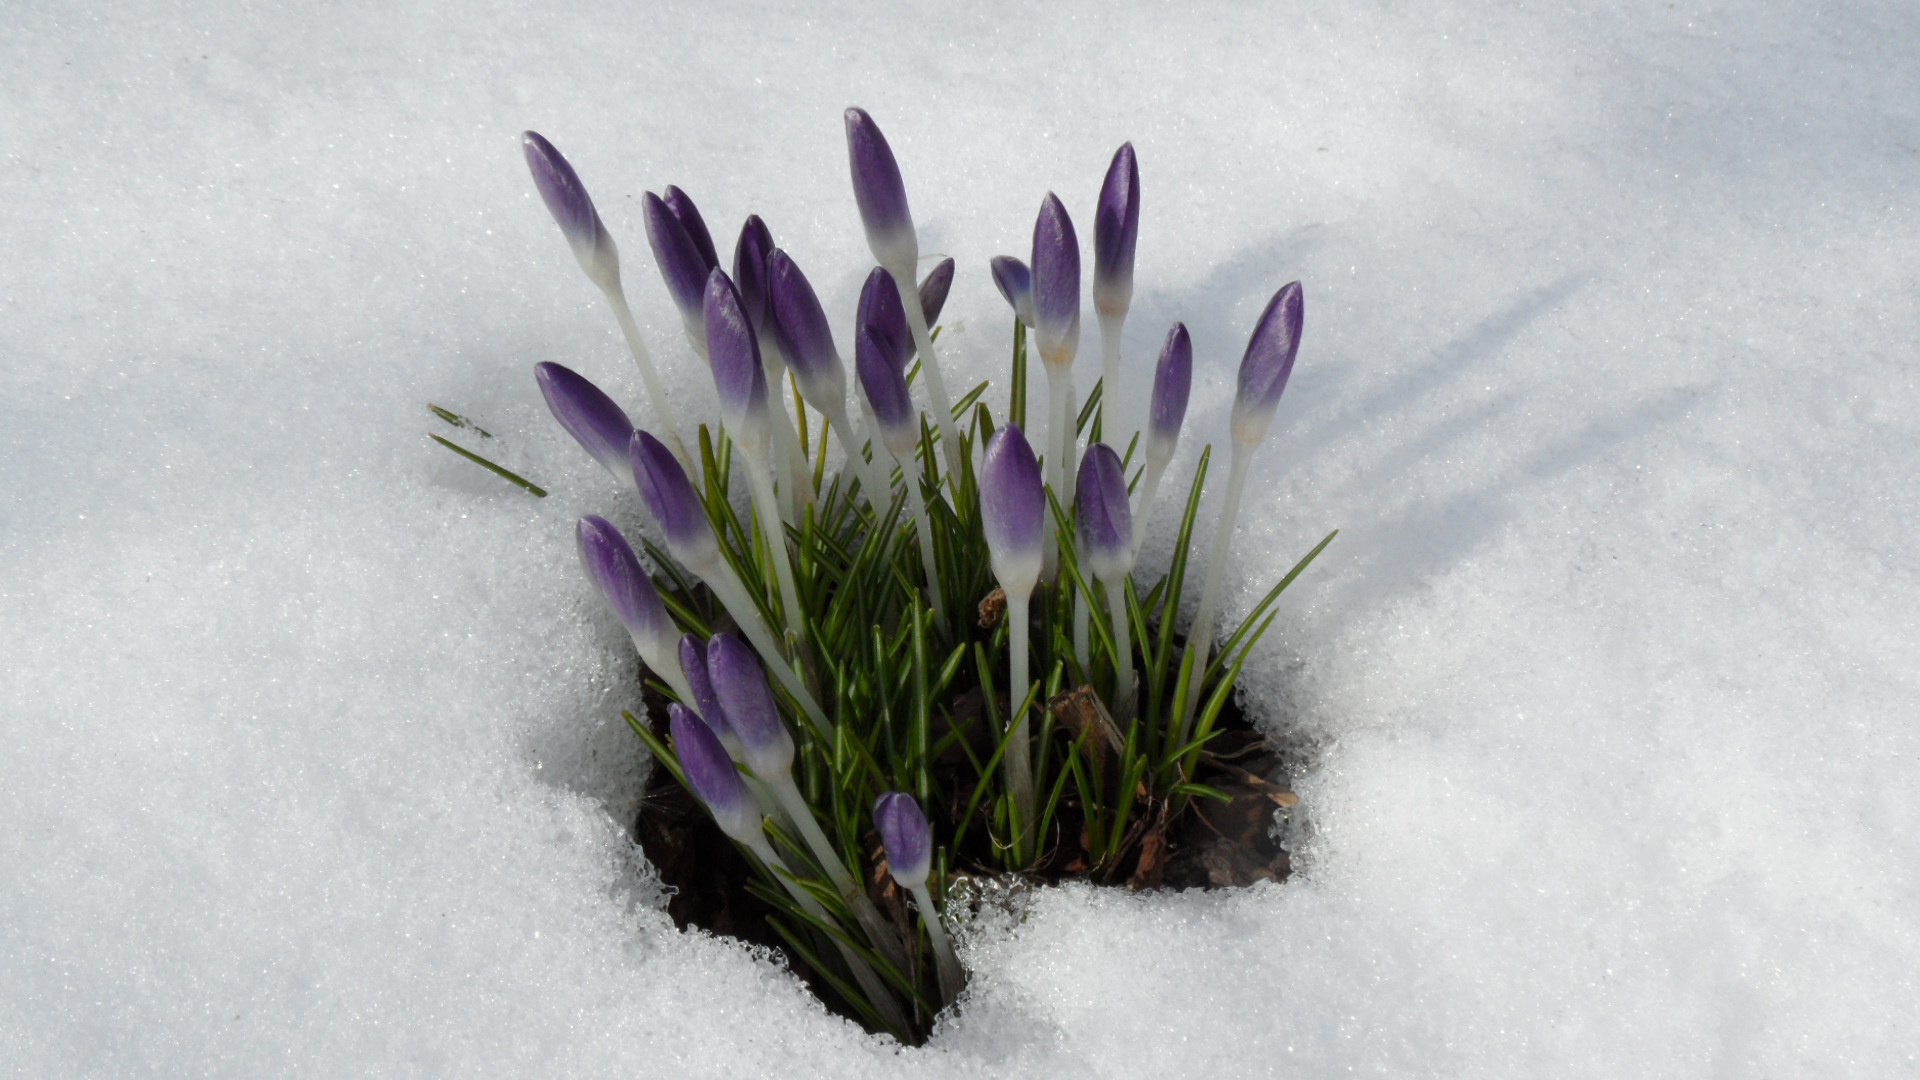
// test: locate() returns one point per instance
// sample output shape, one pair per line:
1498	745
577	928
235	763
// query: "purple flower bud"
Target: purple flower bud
670	498
1266	365
741	686
609	560
711	775
904	833
880	192
1116	230
688	215
881	314
734	354
1015	282
572	210
934	288
1013	508
1056	283
1172	381
885	385
693	664
682	266
800	326
1104	524
750	270
589	415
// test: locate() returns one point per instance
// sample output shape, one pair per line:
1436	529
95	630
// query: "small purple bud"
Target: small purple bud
589	415
711	775
881	314
693	664
1104	523
734	354
1116	231
800	327
934	289
609	560
1056	283
904	833
682	266
572	210
1013	508
750	270
1266	365
1015	282
885	385
688	215
741	686
880	192
670	498
1172	382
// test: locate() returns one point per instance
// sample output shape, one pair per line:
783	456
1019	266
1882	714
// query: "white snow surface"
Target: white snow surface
1606	692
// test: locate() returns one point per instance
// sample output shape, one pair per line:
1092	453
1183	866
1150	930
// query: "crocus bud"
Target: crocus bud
904	834
1104	524
880	192
682	265
1056	283
734	354
885	385
1013	508
1172	381
572	210
711	775
1116	229
609	560
741	687
688	215
934	288
693	664
750	270
1015	282
1266	365
800	326
881	314
672	501
590	416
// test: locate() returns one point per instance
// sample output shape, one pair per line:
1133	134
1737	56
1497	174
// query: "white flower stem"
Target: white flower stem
878	932
909	287
1149	493
1122	646
872	478
733	596
657	390
1110	325
1059	442
760	482
1019	757
924	529
796	488
953	977
1200	633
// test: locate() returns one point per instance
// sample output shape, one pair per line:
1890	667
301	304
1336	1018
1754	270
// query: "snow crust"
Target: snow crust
314	763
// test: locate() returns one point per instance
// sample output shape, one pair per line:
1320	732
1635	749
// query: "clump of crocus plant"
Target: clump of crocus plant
831	698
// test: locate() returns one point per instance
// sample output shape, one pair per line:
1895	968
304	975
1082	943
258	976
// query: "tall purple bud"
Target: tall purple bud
800	326
682	265
734	354
880	192
1105	520
711	775
741	687
1056	283
934	289
885	385
693	665
589	415
672	501
1015	282
1172	382
750	270
906	837
572	210
881	314
609	560
1013	508
1116	230
680	205
1266	365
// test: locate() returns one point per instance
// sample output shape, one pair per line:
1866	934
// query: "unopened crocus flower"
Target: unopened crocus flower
1056	328
693	665
880	192
750	269
1015	282
1172	382
740	687
800	327
589	415
1267	364
714	780
934	289
609	560
675	505
750	256
1116	230
1013	509
734	354
881	314
909	846
680	205
572	209
885	385
1104	528
683	266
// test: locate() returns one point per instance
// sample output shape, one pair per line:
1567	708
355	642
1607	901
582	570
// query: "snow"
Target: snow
1607	687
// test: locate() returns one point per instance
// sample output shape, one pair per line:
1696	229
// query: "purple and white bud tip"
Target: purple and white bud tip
1266	365
1015	282
676	507
683	266
1104	525
1172	383
733	352
693	664
1116	232
934	289
1013	508
881	314
680	205
904	833
880	193
750	270
1056	283
609	560
572	209
740	684
806	340
711	775
885	385
589	415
